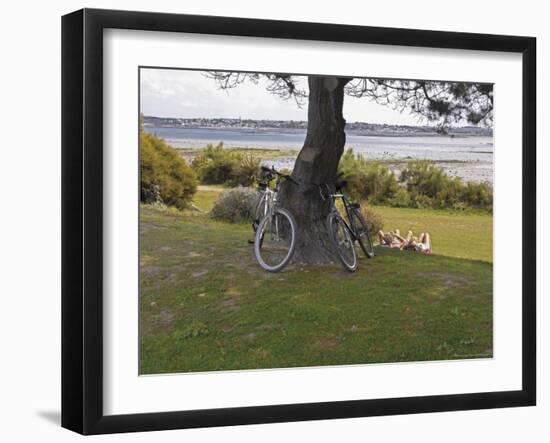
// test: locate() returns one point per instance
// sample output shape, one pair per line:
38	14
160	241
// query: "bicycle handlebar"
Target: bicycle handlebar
272	170
325	188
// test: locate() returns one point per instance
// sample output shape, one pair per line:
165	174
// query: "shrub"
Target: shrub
422	201
216	165
164	176
246	171
450	194
367	179
401	199
429	186
423	177
423	185
236	205
478	195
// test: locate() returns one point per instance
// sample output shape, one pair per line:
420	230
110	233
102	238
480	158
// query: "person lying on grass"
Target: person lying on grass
419	244
393	239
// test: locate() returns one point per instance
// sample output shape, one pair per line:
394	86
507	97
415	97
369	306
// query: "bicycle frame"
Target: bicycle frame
346	207
265	203
269	197
338	195
268	203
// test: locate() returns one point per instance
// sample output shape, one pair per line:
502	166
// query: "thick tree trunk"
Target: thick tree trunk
317	163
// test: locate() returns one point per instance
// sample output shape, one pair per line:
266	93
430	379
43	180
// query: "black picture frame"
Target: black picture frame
82	219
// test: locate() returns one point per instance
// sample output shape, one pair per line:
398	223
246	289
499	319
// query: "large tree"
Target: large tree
441	103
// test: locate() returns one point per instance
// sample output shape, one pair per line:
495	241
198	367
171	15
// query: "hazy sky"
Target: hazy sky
188	94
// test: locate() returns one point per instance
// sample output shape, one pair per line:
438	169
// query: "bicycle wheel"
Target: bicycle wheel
342	240
362	233
275	240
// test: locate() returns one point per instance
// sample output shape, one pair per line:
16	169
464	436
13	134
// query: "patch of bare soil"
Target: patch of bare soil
450	280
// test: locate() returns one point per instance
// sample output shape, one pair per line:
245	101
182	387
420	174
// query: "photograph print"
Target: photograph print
301	220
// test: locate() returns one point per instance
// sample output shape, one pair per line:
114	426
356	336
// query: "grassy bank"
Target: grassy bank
206	305
257	153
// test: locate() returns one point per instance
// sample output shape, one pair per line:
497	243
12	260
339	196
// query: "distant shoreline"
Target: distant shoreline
358	133
297	127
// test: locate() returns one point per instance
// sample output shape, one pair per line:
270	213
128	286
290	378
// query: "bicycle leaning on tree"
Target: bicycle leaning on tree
274	226
344	233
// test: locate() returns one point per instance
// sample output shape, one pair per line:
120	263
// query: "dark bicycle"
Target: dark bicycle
344	233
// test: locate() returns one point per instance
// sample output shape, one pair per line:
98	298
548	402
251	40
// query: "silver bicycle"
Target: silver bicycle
275	227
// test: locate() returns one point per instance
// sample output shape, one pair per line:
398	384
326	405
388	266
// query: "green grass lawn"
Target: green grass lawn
456	234
206	305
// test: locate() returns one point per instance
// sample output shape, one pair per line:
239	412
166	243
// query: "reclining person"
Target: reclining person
422	244
391	239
